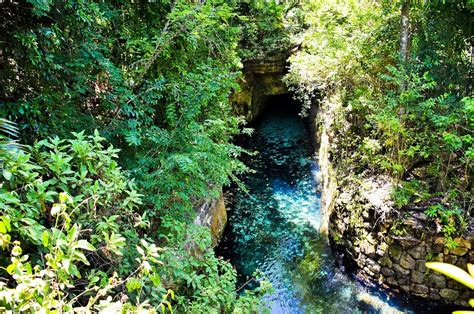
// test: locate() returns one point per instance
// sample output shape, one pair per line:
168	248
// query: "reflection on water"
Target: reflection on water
274	227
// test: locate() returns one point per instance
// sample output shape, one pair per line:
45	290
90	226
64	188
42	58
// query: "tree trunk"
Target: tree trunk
404	31
404	43
470	79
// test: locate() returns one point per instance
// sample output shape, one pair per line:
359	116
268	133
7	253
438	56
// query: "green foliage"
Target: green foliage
267	27
82	168
154	79
411	120
398	228
204	282
8	130
411	192
57	254
56	74
65	198
450	221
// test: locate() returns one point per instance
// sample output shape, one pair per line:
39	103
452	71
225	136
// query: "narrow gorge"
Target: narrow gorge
274	223
325	246
236	156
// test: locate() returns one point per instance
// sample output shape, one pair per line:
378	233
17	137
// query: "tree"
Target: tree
404	31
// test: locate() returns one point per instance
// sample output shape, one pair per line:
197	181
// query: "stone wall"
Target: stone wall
213	214
384	246
391	253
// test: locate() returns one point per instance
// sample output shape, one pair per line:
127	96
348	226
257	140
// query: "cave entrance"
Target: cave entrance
283	104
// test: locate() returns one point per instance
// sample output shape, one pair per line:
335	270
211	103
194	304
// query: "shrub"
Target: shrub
57	252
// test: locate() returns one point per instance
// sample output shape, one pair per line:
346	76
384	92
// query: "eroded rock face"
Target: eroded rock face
321	118
388	247
393	254
262	78
213	214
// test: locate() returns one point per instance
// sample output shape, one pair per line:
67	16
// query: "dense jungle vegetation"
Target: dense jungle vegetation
117	125
398	77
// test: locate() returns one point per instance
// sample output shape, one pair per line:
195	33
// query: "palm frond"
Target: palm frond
8	135
8	127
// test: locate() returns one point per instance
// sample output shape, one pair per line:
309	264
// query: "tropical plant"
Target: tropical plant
52	200
267	27
154	79
401	108
8	131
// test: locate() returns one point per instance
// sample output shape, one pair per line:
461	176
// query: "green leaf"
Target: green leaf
80	256
471	302
133	284
6	221
7	175
11	269
83	244
66	264
93	280
155	279
470	270
45	238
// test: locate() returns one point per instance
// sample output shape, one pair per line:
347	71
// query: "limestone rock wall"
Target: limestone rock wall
213	214
385	246
393	254
262	78
320	124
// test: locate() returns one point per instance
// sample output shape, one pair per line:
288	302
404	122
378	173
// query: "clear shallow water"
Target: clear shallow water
274	227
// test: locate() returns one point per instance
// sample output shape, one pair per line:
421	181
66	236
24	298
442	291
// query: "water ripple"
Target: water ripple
275	227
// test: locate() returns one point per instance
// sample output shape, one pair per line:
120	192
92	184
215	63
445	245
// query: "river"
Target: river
273	226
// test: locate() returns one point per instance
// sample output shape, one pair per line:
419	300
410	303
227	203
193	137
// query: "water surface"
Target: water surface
274	226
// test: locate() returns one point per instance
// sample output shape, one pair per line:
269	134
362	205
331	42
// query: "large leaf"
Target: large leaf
452	272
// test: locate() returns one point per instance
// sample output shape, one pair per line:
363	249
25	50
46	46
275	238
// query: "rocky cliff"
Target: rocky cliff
385	246
262	78
213	214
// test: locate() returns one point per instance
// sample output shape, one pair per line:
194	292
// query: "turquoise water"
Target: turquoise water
274	226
